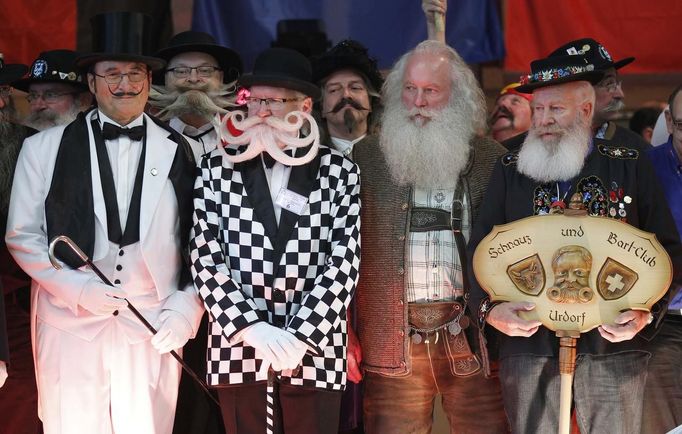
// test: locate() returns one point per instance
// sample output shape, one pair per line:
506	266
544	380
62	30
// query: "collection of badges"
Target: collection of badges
554	73
595	197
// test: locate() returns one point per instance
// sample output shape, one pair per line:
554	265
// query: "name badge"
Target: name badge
291	201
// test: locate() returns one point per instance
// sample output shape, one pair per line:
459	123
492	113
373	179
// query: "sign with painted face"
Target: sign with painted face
580	271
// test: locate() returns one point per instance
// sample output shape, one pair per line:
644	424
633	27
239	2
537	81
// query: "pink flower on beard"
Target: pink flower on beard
242	94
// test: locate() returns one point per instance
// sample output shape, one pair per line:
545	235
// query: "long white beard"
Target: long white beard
431	155
554	160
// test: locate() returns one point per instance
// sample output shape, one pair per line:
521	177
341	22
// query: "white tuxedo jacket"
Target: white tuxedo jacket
159	234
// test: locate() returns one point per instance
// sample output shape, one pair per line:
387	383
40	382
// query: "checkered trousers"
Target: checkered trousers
307	293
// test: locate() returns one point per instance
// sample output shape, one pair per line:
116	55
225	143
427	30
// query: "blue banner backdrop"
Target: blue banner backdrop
387	27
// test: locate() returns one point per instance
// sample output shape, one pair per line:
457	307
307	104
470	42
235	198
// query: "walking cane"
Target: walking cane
74	247
270	403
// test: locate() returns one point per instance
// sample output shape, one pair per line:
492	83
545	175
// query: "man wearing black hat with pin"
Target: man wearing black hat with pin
275	255
559	160
199	82
56	90
119	185
608	92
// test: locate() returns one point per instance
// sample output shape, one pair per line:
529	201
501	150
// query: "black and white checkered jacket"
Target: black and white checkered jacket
299	276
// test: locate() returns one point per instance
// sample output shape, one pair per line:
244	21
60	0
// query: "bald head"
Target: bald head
432	76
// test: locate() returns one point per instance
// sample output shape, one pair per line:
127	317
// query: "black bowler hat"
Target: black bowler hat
348	54
55	66
593	51
228	60
11	71
282	67
123	36
552	71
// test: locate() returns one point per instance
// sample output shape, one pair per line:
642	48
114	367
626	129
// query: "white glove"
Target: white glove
280	348
172	332
101	299
3	373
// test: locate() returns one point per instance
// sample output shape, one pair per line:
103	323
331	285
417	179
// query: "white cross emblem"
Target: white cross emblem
615	282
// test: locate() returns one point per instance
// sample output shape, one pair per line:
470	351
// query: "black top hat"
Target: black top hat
551	71
11	71
282	67
229	60
121	36
593	51
348	54
55	66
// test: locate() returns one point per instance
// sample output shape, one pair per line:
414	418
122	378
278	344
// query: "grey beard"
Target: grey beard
614	106
44	119
558	160
349	121
11	137
198	102
432	155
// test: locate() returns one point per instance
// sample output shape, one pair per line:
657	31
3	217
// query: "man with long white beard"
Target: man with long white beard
560	160
275	254
19	395
608	92
56	90
199	82
430	164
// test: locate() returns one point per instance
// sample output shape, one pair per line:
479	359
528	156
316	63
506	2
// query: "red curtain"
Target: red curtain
644	29
28	27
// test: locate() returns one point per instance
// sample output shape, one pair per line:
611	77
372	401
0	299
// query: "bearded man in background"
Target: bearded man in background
199	82
19	396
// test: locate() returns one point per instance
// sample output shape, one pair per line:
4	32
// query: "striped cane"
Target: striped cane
270	403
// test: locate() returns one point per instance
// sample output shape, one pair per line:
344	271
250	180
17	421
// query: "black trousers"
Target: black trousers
298	410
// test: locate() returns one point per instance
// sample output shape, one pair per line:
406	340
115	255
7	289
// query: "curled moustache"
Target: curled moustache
269	135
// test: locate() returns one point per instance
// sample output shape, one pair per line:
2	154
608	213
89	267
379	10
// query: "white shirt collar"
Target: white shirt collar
180	126
345	146
104	118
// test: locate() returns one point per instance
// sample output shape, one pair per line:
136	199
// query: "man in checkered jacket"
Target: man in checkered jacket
275	253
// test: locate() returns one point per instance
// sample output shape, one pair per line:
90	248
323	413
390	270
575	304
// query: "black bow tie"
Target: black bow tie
269	161
113	132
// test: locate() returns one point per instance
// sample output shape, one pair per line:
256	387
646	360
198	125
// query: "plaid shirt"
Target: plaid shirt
434	271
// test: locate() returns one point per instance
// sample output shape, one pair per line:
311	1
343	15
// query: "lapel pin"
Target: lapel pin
154	172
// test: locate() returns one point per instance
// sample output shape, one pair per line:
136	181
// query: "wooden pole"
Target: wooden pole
567	343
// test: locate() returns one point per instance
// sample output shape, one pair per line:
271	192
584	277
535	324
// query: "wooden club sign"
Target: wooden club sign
580	271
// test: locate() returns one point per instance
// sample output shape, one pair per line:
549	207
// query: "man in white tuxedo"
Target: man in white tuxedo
119	184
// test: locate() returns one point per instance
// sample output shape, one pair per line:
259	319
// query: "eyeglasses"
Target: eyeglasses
5	91
611	85
271	103
117	77
49	97
677	124
185	71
